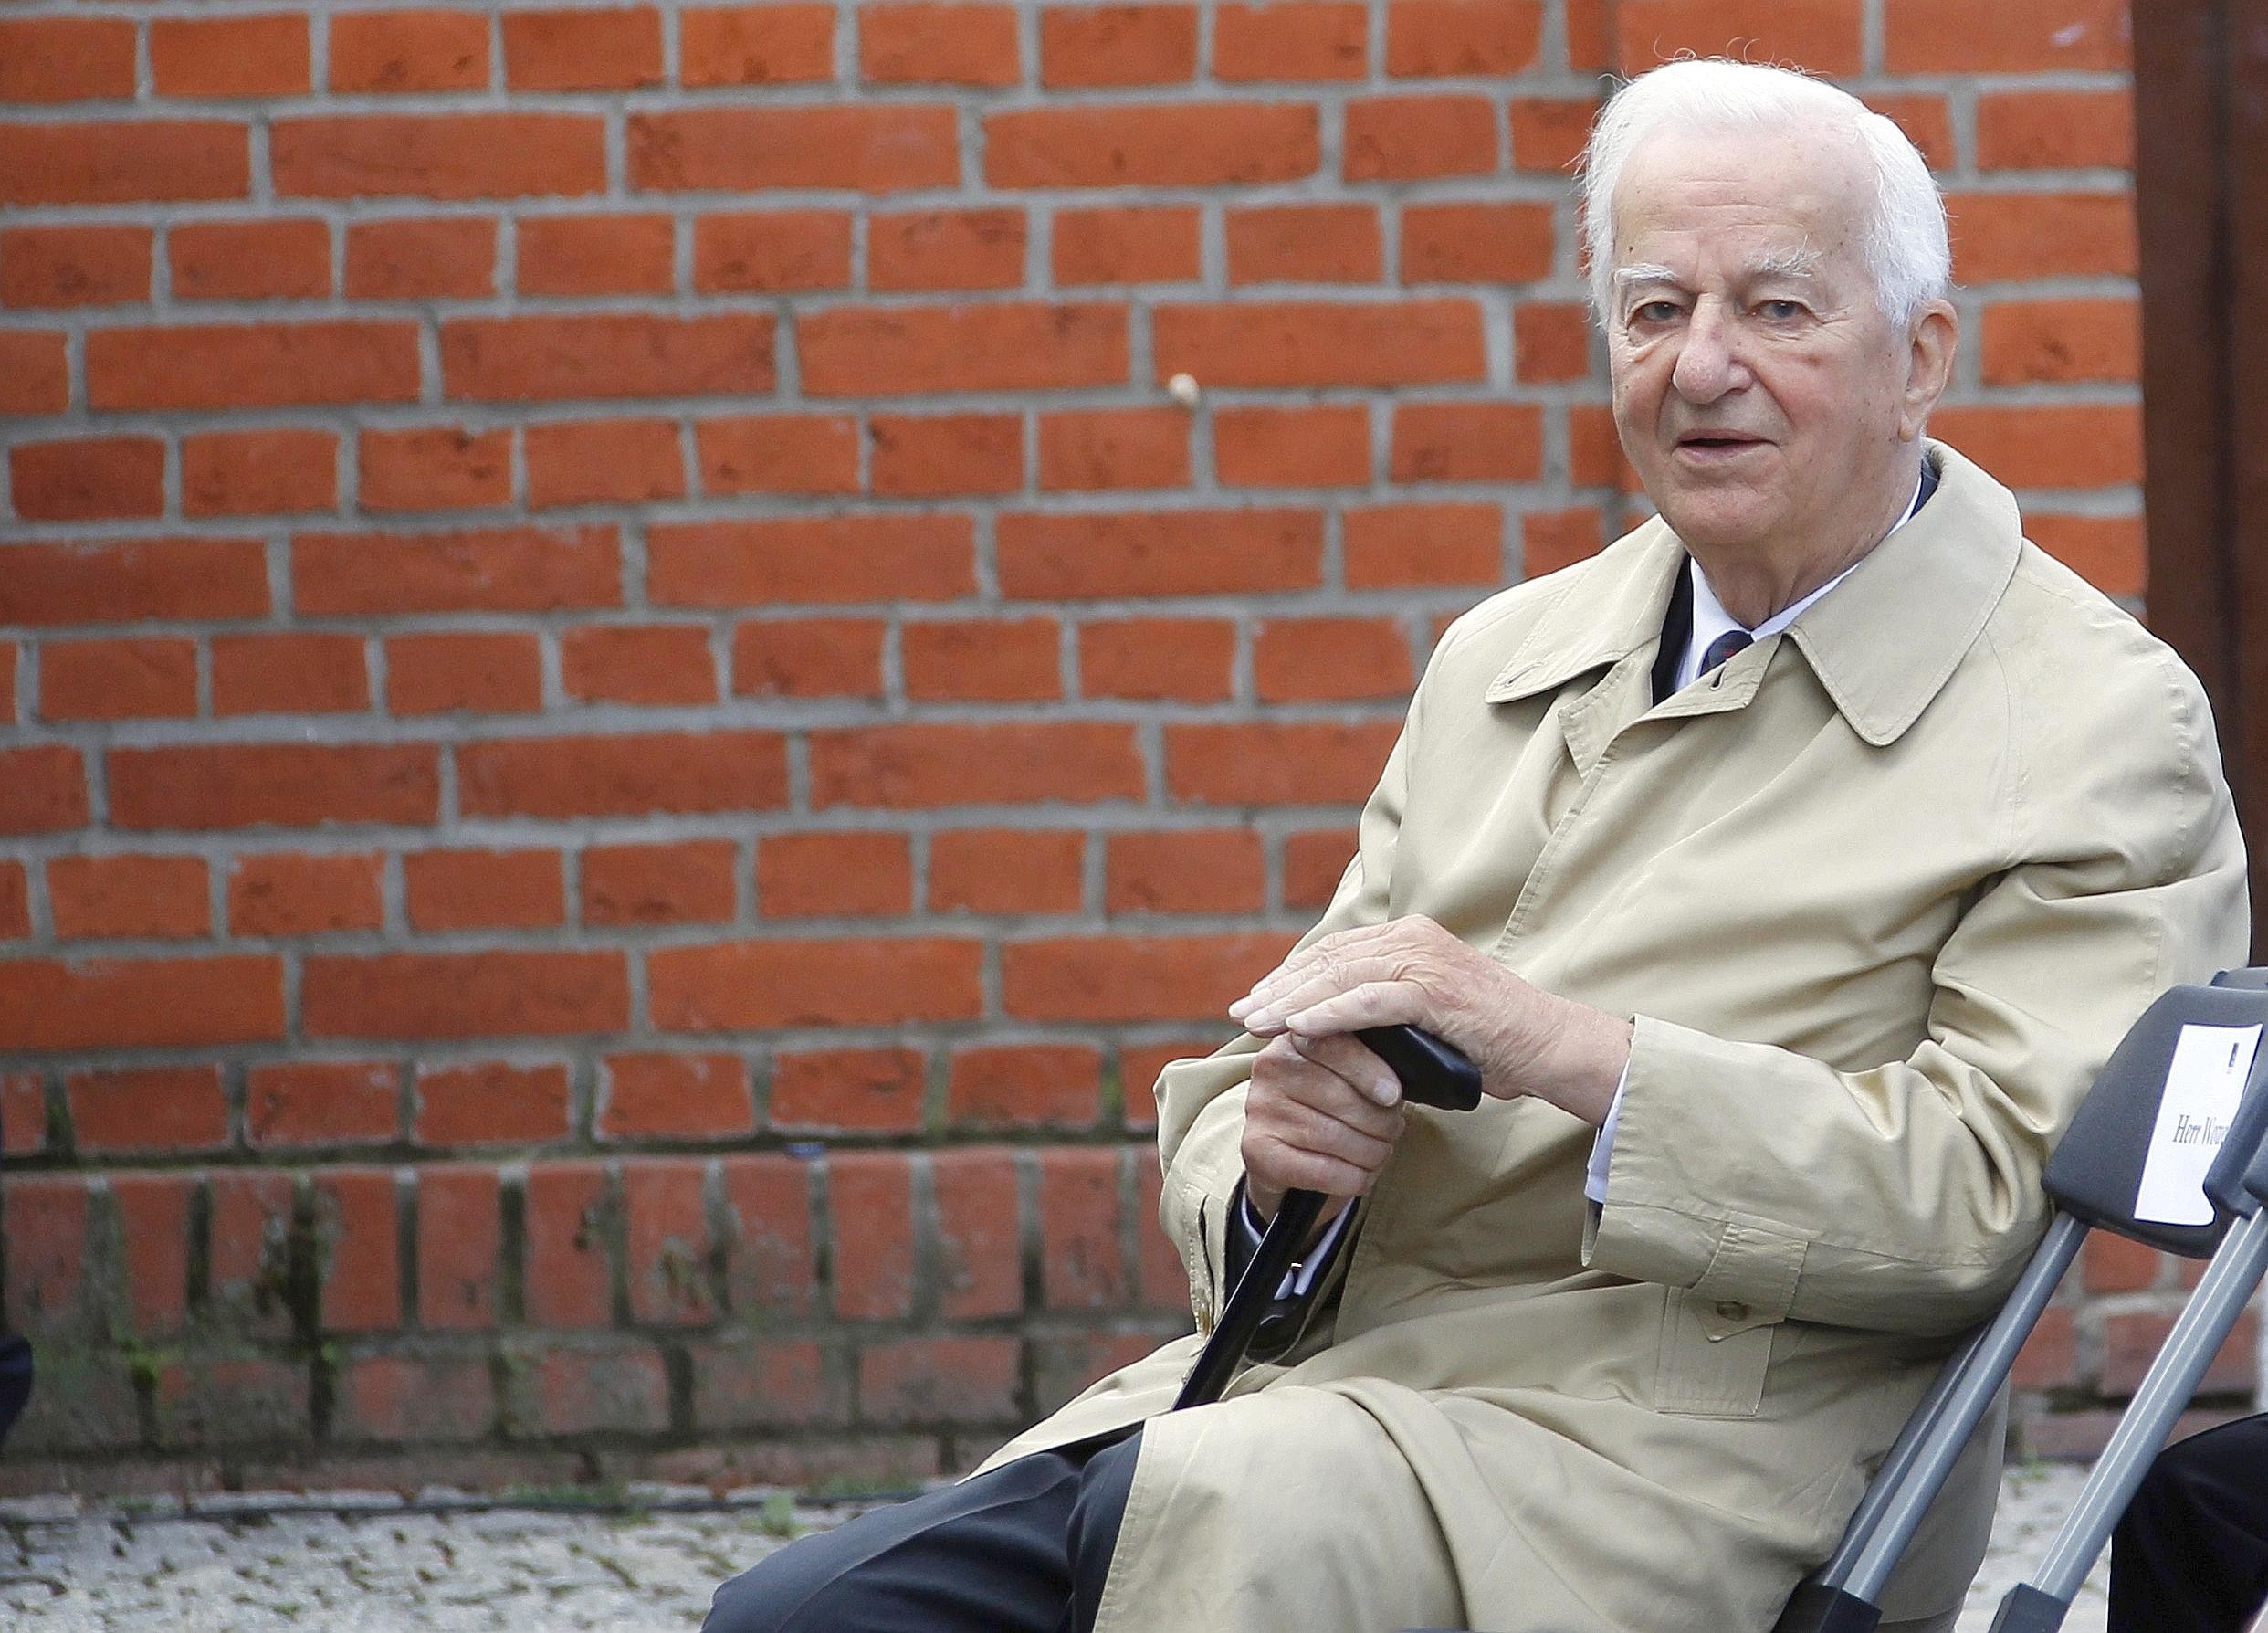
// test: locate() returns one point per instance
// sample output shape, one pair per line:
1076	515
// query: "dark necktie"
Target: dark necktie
1722	648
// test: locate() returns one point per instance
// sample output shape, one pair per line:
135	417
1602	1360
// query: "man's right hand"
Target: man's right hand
1322	1119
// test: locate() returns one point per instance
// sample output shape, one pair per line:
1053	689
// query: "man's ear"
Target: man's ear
1936	333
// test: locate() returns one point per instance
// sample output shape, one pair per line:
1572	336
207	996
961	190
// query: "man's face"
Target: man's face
1759	389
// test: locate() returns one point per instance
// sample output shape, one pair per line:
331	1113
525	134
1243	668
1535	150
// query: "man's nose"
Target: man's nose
1708	359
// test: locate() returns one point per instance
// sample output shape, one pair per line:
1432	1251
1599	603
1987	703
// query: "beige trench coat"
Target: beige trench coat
1882	893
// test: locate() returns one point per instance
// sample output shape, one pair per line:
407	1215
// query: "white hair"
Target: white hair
1904	244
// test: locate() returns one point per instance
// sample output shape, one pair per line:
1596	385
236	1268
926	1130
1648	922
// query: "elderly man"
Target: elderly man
1787	870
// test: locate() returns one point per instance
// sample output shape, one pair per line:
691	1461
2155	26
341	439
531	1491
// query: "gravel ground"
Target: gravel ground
250	1565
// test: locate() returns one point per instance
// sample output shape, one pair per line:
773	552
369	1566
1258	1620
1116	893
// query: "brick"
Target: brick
2016	236
832	559
355	1211
1321	447
2049	1359
980	1233
603	1391
66	59
264	472
1548	133
1085	45
1131	243
157	1109
1315	860
1331	243
870	1199
596	255
1589	42
1291	40
567	1277
954	1380
1058	557
871	981
1286	344
998	346
222	785
34	374
229	57
124	161
623	774
14	909
298	672
848	1091
772	251
1551	342
2027	341
651	664
153	1229
685	883
924	43
808	658
2111	1263
935	456
415	1398
2109	551
252	365
476	671
408	50
461	1237
280	259
503	569
1466	442
1409	139
1063	1367
1092	449
2022	36
2056	130
770	1384
825	875
2062	446
465	995
982	660
491	1103
930	765
756	45
602	48
88	478
1550	540
1925	118
289	894
603	461
771	1267
1407	547
23	1115
250	1253
322	1102
1825	36
946	250
72	266
1428	38
159	896
2131	1340
1594	449
433	467
1169	144
781	453
458	155
1318	659
131	679
483	889
1188	660
1005	870
675	1097
441	258
1081	1265
1133	978
1295	763
1190	871
666	1242
872	147
43	1228
247	1401
1023	1086
43	789
533	358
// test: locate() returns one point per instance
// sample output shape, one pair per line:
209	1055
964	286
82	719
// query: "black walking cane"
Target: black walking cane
1432	1074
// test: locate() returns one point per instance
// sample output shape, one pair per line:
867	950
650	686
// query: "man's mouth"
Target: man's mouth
1717	439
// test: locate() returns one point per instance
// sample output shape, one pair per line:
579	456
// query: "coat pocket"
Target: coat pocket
1716	1335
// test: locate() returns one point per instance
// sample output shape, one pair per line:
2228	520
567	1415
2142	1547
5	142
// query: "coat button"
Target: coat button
1732	1309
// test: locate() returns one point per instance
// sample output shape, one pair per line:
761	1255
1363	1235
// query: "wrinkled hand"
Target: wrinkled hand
1412	971
1322	1114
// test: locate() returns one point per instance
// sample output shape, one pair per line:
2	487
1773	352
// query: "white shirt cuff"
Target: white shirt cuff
1602	1147
1301	1276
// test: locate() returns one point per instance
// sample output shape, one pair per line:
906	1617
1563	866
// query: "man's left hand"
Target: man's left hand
1411	971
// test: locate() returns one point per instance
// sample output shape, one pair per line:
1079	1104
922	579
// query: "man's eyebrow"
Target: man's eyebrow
1786	263
1642	272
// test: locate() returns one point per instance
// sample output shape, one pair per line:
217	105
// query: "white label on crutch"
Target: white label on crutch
2203	1089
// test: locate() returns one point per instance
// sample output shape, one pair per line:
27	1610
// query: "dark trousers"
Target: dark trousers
2191	1554
1024	1548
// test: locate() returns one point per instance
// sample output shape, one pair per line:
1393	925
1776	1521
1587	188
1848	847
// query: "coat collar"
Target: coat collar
1882	644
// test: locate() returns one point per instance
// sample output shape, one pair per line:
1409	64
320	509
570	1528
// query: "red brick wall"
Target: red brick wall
633	721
